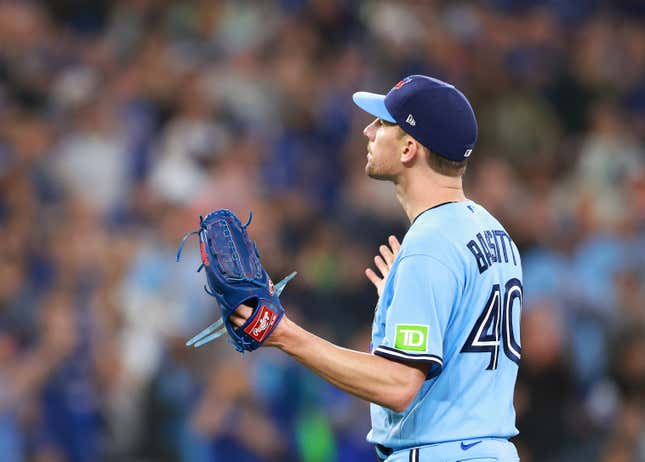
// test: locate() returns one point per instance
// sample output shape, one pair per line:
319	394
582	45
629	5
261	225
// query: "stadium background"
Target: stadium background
121	121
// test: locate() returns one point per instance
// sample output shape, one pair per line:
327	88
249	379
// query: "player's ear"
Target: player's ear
410	149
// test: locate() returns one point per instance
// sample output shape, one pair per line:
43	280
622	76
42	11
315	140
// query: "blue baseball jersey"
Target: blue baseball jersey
452	300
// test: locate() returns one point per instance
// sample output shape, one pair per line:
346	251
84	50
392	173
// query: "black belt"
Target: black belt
383	452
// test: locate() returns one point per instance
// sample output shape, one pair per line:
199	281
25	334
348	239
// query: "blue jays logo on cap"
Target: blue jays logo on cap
401	83
432	111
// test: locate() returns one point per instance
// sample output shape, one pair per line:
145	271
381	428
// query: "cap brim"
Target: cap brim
373	104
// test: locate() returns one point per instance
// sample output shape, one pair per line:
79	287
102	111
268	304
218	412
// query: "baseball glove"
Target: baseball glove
235	276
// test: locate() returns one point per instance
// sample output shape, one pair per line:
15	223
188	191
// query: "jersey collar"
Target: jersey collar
431	208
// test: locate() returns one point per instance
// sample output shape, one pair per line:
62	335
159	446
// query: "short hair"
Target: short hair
444	166
439	164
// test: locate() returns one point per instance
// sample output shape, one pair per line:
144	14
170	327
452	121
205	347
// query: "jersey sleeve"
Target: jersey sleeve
424	291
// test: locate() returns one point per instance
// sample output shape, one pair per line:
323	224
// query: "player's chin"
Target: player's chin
375	173
370	169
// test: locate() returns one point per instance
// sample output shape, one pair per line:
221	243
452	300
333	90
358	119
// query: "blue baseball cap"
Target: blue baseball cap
432	111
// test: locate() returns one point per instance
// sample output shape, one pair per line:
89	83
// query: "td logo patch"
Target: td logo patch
411	337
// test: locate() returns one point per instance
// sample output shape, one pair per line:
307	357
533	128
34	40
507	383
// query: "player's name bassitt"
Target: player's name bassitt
492	246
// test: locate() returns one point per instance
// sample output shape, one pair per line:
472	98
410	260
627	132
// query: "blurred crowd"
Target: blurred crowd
122	121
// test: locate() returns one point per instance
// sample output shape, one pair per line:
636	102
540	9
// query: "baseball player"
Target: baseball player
445	338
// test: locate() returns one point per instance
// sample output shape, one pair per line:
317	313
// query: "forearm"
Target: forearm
364	375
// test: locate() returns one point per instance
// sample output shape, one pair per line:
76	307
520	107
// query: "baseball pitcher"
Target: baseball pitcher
445	350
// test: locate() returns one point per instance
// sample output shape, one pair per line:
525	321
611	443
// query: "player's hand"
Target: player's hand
240	315
383	262
244	312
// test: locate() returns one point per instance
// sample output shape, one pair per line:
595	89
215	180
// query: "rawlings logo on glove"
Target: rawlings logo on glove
235	276
263	325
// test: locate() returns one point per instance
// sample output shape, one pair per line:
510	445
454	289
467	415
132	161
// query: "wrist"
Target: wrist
282	333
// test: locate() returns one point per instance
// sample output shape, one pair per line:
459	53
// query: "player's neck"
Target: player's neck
420	191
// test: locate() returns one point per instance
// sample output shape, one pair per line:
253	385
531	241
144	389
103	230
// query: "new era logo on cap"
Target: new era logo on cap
411	120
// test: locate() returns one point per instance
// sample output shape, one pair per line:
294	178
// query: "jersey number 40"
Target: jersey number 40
495	325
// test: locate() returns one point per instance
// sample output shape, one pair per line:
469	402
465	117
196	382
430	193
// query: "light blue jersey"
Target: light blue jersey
452	300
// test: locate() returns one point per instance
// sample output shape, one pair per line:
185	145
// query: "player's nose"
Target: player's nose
370	130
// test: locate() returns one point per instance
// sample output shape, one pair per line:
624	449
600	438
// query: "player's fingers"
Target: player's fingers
239	316
236	319
236	316
394	244
388	256
244	310
381	265
372	276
